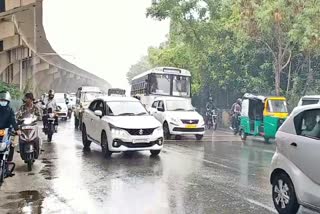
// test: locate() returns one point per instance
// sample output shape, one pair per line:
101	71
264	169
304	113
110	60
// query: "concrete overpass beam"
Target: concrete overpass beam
7	29
42	66
12	4
11	42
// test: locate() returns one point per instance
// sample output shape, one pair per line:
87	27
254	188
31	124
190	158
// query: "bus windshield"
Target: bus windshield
90	96
170	85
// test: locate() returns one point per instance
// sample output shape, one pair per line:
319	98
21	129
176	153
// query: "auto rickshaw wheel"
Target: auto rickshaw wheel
267	140
243	135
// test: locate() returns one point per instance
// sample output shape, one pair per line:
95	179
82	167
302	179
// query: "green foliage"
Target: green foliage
234	47
13	90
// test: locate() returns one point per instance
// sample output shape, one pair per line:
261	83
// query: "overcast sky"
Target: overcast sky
104	37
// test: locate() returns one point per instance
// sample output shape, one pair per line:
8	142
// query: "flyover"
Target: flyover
27	59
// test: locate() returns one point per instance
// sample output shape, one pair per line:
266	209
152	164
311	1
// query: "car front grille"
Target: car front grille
140	132
190	121
177	129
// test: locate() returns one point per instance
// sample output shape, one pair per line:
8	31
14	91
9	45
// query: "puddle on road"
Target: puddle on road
48	170
24	202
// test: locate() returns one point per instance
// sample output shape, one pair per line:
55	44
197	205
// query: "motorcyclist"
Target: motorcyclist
50	103
235	109
7	118
209	108
29	108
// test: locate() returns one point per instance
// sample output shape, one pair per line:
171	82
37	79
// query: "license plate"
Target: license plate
27	127
140	141
191	126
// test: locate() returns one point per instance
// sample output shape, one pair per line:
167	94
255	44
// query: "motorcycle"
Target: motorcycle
49	128
29	141
5	142
212	119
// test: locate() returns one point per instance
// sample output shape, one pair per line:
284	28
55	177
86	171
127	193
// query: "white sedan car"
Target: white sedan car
121	124
295	175
178	117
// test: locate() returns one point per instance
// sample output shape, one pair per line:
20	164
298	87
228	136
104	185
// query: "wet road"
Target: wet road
217	175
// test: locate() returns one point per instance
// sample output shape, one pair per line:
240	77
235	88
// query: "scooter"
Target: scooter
29	142
212	119
5	142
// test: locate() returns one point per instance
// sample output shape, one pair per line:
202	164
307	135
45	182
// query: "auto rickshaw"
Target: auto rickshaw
262	116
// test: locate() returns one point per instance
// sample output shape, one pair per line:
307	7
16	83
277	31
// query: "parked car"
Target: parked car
178	117
309	100
295	175
121	124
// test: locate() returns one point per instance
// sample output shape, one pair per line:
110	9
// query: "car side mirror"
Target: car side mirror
160	109
98	113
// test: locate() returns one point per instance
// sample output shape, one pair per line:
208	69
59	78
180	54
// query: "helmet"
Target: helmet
210	98
51	92
239	100
5	95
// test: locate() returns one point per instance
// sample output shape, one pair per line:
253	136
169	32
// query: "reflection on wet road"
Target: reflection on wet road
218	175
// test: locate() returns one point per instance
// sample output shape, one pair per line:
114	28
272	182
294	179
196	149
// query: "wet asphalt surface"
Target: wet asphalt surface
219	174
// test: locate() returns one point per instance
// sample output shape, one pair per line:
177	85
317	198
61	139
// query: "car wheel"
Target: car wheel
199	137
283	194
166	131
104	146
178	137
86	143
155	152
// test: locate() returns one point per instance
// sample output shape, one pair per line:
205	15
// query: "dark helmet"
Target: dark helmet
51	92
5	95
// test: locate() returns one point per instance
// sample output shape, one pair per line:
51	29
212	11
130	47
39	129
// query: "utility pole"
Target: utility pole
35	48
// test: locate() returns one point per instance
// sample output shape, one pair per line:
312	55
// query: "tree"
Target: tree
141	66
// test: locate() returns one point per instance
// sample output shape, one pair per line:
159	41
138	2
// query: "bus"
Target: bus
117	92
161	81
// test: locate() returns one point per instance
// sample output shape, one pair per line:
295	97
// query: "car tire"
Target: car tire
177	137
283	194
199	137
104	146
155	152
166	131
86	143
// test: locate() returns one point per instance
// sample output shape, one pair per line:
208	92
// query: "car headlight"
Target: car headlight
118	132
201	121
158	131
174	121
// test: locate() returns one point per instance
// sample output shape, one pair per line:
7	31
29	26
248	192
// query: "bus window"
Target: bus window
160	84
181	86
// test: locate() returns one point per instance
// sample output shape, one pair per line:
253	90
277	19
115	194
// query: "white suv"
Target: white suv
178	117
121	124
295	176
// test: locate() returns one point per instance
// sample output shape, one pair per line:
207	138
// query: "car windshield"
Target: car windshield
278	106
88	97
179	105
126	108
60	100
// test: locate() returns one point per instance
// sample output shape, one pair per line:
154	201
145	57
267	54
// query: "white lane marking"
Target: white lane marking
261	205
204	160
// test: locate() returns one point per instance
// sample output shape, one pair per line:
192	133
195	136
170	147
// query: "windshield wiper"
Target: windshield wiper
126	114
141	113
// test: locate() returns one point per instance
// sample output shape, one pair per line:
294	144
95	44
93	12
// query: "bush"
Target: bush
13	90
